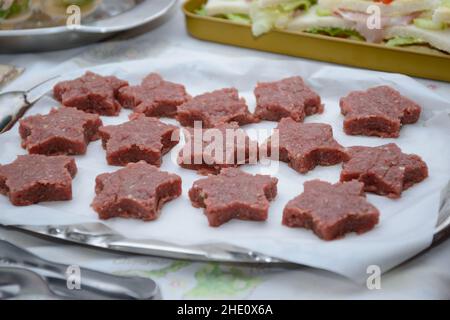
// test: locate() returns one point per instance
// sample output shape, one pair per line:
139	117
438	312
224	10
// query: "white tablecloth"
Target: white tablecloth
426	276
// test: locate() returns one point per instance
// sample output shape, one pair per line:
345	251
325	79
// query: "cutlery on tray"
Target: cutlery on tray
23	268
13	104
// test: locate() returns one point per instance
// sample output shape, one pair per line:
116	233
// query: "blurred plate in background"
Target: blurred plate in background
111	17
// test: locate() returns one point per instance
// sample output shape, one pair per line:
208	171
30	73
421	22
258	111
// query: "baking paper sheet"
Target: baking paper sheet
407	224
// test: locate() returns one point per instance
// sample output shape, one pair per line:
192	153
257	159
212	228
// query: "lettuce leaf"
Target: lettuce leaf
201	11
77	2
445	3
265	19
16	8
236	17
240	18
337	32
403	41
297	4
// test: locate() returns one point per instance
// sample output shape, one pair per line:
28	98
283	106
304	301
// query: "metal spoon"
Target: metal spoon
14	104
17	283
94	284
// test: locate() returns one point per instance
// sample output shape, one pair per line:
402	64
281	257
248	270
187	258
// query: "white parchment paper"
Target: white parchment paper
407	224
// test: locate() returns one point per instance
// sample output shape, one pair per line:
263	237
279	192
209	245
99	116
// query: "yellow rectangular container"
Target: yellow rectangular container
342	51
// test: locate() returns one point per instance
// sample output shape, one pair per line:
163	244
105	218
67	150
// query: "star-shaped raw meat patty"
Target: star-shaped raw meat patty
137	191
289	97
384	170
331	210
226	145
234	194
141	138
155	97
37	178
215	107
305	145
91	93
62	131
379	111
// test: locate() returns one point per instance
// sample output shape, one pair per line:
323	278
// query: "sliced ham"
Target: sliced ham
374	35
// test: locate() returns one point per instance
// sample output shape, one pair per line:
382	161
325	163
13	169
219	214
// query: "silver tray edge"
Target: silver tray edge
101	236
98	27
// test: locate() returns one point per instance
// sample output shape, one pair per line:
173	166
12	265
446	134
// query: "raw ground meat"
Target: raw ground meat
213	108
91	93
379	111
331	210
305	145
137	191
155	97
63	131
384	170
289	97
234	194
141	138
208	155
37	178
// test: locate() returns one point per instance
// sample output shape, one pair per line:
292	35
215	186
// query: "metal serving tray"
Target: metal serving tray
432	65
55	38
101	236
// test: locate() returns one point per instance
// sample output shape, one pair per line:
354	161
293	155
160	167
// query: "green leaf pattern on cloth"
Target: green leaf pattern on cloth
216	281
